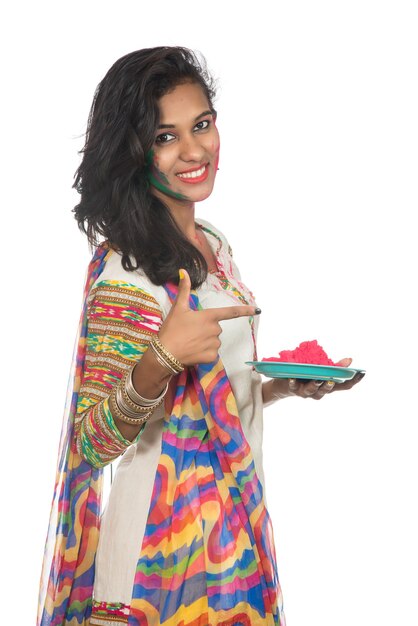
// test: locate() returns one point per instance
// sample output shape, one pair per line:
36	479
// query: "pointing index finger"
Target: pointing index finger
230	312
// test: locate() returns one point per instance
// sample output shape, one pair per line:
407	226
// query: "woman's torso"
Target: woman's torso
124	519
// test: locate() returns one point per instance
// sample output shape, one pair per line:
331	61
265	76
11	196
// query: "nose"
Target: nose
191	148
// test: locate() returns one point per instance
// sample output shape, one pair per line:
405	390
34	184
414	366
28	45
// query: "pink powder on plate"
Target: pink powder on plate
307	352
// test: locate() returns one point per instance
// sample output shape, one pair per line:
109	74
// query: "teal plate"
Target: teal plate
279	369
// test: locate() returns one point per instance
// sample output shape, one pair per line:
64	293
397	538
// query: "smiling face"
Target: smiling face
184	158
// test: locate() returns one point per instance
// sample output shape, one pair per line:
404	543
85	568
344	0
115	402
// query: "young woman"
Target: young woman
160	378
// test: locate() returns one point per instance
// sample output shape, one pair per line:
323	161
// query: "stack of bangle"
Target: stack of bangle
164	357
128	405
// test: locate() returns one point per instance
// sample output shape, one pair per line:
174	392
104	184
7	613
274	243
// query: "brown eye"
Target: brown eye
164	138
203	125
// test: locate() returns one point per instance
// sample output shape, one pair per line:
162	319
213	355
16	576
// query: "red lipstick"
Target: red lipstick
195	179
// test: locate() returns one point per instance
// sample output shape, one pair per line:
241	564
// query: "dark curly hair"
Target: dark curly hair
116	202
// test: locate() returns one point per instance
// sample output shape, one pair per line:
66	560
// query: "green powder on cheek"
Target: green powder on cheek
158	179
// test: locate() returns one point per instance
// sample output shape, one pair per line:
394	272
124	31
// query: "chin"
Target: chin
200	194
204	196
200	197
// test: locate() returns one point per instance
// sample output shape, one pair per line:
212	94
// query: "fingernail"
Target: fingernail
181	274
319	382
330	383
257	311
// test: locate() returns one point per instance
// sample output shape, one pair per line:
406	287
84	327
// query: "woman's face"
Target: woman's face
185	155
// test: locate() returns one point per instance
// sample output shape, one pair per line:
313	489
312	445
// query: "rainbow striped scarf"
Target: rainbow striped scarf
207	556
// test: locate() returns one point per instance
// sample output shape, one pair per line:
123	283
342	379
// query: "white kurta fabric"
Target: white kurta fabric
124	519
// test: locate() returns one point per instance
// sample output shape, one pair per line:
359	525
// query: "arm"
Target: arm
275	389
122	319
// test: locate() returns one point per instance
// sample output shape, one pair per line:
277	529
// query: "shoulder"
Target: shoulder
133	287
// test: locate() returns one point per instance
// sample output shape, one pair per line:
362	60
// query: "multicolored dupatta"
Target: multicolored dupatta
207	556
68	568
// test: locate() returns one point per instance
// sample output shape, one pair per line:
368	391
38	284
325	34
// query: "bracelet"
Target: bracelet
138	421
162	362
125	408
124	401
136	397
167	356
131	409
169	359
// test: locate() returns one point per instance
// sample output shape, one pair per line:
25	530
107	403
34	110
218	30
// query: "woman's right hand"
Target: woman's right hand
193	336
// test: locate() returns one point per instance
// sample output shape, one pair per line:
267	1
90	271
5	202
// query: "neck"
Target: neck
185	220
183	212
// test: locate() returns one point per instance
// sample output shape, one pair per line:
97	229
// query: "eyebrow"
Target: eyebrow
208	112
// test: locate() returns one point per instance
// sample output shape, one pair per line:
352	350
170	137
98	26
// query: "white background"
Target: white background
316	192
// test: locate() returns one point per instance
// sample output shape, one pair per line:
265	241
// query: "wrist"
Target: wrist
149	377
165	357
280	388
275	389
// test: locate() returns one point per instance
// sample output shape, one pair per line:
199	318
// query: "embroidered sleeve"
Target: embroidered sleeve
121	320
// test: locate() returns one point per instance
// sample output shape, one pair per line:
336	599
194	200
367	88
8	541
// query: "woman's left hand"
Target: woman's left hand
315	389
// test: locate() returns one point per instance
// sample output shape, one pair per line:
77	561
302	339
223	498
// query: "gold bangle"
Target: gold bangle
166	355
136	397
128	407
161	360
123	398
126	410
138	421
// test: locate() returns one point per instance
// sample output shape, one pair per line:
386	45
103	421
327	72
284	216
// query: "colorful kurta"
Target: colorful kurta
185	537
